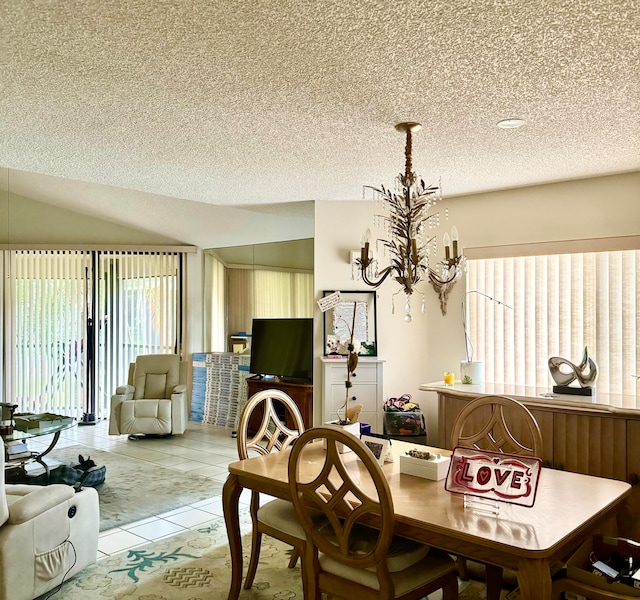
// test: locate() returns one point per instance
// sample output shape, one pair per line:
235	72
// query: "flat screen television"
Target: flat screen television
282	348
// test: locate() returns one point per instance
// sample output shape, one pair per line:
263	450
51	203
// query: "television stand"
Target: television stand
300	393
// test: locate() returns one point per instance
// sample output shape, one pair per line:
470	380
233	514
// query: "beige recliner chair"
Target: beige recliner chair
47	535
154	402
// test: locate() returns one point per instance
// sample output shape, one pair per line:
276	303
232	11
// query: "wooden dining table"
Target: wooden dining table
568	508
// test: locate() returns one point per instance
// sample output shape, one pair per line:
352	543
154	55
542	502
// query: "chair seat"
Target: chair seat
402	552
417	563
280	515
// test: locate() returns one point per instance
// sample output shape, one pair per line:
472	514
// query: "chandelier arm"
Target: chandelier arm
383	275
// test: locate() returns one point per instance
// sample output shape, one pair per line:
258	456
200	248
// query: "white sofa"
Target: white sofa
47	535
154	401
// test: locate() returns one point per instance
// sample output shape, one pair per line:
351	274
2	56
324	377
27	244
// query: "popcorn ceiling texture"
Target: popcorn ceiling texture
263	101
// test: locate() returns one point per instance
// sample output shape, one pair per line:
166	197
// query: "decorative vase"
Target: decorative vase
473	370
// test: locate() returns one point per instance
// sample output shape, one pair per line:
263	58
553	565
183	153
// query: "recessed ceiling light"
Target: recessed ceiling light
513	123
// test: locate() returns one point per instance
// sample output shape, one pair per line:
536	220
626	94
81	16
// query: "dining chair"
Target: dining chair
268	431
500	424
355	553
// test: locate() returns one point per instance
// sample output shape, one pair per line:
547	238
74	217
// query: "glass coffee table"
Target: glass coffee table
27	426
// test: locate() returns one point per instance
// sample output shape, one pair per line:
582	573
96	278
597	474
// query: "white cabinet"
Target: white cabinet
366	390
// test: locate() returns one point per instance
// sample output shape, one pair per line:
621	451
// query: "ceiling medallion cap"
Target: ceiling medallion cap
512	123
404	127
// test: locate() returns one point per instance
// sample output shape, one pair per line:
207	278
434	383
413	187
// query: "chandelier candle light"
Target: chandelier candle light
411	213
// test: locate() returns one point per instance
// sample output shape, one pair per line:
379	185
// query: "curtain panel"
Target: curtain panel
214	309
267	294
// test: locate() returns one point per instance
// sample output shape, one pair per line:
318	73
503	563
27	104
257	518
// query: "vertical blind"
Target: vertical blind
240	295
283	294
47	331
560	304
61	305
138	312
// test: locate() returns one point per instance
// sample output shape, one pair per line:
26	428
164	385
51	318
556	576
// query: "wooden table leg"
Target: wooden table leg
230	497
534	579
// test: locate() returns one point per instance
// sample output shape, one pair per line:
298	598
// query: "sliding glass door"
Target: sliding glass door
138	309
74	320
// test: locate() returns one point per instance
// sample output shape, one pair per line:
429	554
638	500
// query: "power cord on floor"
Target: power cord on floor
64	577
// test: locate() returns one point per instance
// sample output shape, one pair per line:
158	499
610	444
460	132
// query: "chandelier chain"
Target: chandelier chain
407	155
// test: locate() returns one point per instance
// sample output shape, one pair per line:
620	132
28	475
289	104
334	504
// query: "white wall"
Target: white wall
28	221
420	352
578	209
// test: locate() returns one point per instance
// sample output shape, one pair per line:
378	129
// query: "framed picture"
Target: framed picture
378	446
357	311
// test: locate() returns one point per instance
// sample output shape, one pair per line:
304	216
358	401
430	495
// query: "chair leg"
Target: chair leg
450	589
256	540
295	555
494	582
461	565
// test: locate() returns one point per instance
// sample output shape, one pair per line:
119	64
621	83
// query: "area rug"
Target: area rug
135	489
195	565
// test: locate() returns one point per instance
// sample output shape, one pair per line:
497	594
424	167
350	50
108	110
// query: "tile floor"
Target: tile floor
203	449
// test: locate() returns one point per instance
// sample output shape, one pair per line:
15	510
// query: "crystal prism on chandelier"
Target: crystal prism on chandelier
411	214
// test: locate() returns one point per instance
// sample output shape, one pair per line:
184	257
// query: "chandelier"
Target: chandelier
410	216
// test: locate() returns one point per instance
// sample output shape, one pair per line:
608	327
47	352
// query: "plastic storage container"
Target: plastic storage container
404	423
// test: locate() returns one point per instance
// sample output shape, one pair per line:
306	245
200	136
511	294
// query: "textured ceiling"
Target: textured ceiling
266	101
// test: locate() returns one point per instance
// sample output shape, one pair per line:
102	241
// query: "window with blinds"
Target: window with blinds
74	321
283	294
556	305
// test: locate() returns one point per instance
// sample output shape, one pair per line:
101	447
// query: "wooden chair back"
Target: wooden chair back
337	492
273	433
490	423
275	423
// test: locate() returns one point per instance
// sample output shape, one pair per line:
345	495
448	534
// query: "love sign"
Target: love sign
494	475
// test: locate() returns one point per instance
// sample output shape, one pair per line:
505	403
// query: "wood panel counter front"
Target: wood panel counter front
595	436
568	508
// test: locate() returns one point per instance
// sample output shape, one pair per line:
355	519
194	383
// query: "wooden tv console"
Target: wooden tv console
300	393
595	436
